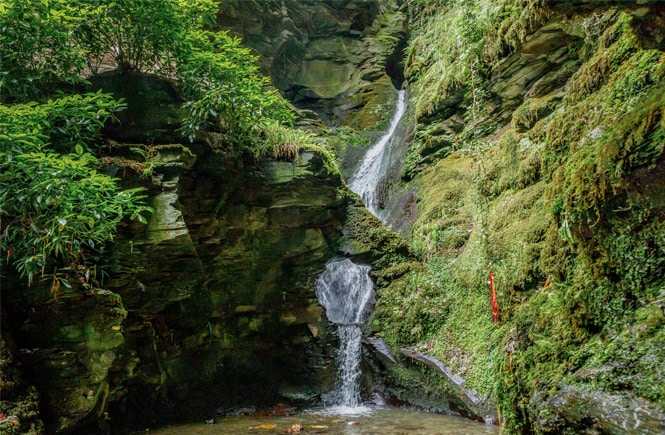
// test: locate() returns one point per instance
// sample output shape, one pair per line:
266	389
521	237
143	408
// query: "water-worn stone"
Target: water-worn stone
597	412
477	407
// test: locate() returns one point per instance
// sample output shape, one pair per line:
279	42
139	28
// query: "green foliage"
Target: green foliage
64	122
218	78
144	35
53	42
285	142
224	90
56	207
36	49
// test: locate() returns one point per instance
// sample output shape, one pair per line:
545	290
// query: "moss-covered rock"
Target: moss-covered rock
551	182
20	401
216	289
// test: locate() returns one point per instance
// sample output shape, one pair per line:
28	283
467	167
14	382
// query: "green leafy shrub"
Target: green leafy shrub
224	90
139	35
36	49
57	208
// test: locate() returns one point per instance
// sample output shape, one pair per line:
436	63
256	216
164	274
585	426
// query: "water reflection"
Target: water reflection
390	421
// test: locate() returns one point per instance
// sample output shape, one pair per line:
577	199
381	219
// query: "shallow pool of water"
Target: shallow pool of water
391	421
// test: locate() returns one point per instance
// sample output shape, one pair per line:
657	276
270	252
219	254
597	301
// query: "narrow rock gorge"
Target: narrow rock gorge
519	268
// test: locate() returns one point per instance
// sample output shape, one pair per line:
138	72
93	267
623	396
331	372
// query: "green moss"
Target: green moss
569	196
368	239
616	43
630	358
376	103
455	44
595	231
415	384
532	110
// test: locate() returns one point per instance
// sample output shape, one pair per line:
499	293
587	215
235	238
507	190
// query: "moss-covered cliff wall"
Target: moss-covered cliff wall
538	156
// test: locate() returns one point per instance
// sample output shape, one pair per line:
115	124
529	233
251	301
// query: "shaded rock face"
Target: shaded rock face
218	284
209	305
332	57
153	110
65	346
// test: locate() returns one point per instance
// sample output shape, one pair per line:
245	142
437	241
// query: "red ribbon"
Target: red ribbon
495	304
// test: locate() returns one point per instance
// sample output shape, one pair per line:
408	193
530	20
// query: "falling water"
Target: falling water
347	293
365	180
345	288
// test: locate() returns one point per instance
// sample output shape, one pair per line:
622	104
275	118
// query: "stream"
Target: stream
388	421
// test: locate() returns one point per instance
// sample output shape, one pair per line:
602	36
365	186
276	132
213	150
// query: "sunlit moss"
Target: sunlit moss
563	205
456	43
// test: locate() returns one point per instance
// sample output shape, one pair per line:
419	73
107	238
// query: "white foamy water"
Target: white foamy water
344	411
365	180
347	293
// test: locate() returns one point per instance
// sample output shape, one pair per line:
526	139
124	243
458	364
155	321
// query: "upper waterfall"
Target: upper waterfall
365	180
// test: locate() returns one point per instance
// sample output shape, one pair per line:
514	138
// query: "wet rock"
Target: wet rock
598	412
482	407
382	350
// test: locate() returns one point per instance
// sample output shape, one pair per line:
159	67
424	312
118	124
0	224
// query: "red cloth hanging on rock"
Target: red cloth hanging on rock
495	304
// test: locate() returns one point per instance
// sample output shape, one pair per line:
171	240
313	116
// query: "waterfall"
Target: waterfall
345	288
347	293
365	180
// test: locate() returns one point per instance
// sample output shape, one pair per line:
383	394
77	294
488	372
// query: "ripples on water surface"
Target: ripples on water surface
380	421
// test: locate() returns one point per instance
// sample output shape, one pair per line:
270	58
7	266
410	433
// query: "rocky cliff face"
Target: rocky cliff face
209	305
338	58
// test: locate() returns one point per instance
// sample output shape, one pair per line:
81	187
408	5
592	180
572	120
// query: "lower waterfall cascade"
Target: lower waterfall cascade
347	293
